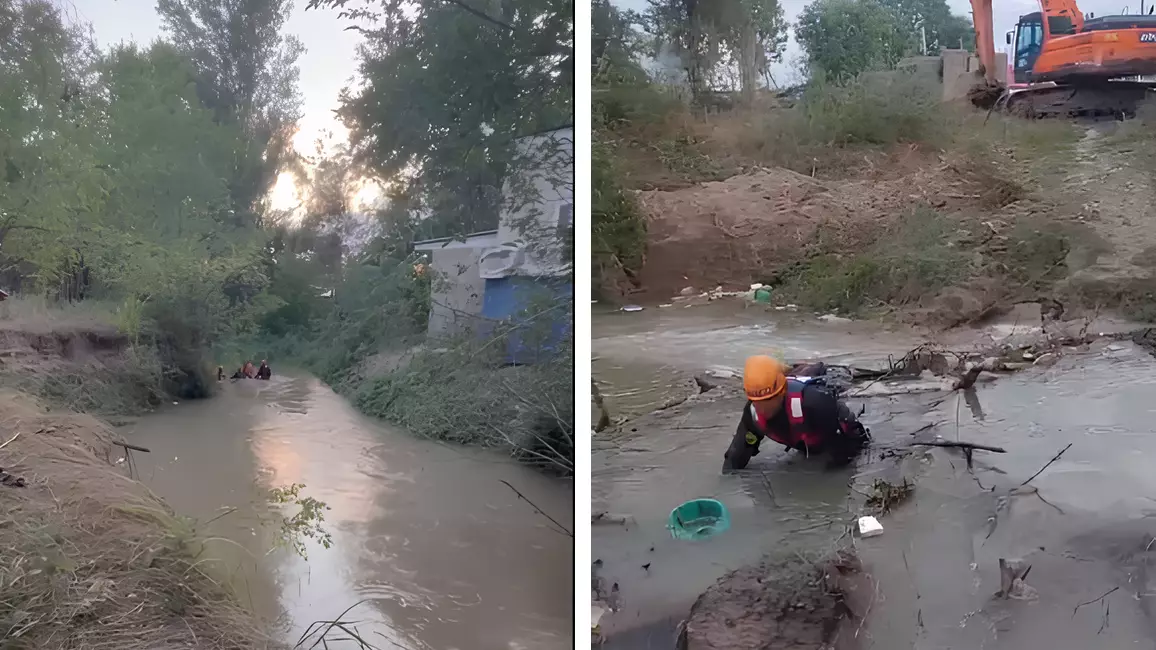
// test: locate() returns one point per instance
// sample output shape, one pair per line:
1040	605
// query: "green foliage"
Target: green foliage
622	91
305	523
913	259
124	181
874	109
618	227
422	116
931	19
713	38
844	38
458	393
246	75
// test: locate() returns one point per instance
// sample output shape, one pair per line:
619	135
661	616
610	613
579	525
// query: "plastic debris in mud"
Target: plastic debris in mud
632	308
869	527
699	519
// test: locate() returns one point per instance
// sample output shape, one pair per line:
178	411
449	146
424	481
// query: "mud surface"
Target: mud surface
1086	532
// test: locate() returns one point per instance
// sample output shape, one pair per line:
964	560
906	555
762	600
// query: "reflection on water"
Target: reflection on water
444	555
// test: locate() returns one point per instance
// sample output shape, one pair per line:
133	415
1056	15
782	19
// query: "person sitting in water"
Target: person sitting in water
800	413
264	372
220	373
250	370
240	374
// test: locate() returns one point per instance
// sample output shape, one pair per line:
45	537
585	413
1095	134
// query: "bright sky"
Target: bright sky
1005	12
326	67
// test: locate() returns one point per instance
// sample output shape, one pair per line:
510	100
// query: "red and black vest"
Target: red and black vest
797	432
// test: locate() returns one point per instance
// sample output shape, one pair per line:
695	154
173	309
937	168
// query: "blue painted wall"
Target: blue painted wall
505	302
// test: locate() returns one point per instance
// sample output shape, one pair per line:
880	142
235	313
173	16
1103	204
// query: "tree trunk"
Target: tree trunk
748	63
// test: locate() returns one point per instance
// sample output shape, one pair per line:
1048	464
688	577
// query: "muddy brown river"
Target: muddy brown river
936	564
429	547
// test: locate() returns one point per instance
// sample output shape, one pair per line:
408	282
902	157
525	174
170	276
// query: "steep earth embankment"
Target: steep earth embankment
944	238
91	558
749	227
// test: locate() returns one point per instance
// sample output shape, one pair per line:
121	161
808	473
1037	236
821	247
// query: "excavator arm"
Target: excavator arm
1056	12
984	38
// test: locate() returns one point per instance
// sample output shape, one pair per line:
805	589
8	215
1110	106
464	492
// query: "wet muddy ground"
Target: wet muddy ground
1088	531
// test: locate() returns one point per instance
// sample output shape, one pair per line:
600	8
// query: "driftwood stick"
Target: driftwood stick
132	447
1054	459
564	530
962	445
1094	600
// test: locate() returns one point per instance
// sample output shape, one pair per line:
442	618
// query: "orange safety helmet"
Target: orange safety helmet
763	378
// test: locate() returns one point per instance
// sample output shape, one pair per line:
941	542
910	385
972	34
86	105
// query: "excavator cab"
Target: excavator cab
1029	42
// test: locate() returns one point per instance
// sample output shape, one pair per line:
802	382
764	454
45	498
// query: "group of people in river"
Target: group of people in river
248	371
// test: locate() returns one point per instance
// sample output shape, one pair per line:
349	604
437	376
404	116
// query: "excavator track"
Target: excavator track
1118	99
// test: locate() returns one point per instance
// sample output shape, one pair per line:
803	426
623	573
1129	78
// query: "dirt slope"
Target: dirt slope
1117	195
91	558
738	231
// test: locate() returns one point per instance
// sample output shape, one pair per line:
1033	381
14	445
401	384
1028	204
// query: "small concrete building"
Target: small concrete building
493	277
458	288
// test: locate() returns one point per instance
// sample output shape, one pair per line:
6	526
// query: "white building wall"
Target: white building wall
540	204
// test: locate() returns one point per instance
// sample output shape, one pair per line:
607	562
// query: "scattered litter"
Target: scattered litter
174	403
762	294
668	304
687	291
756	286
632	308
869	527
832	318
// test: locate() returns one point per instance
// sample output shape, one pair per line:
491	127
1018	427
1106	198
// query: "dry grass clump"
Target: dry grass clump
90	558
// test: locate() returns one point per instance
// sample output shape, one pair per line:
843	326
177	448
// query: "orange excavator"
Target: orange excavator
1072	65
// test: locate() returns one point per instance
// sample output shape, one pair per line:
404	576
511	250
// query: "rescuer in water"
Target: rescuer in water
800	412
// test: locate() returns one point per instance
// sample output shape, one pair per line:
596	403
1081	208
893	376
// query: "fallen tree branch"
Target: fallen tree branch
121	443
962	445
539	510
1054	459
1094	600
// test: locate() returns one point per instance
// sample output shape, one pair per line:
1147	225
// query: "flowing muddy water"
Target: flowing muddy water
936	565
442	552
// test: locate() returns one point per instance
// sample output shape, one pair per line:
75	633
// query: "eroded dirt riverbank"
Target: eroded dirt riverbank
936	565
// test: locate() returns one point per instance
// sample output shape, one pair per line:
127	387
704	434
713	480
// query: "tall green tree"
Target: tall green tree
247	75
49	178
448	88
843	38
715	36
931	21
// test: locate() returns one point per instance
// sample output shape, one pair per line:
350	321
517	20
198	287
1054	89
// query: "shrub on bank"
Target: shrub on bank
461	394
